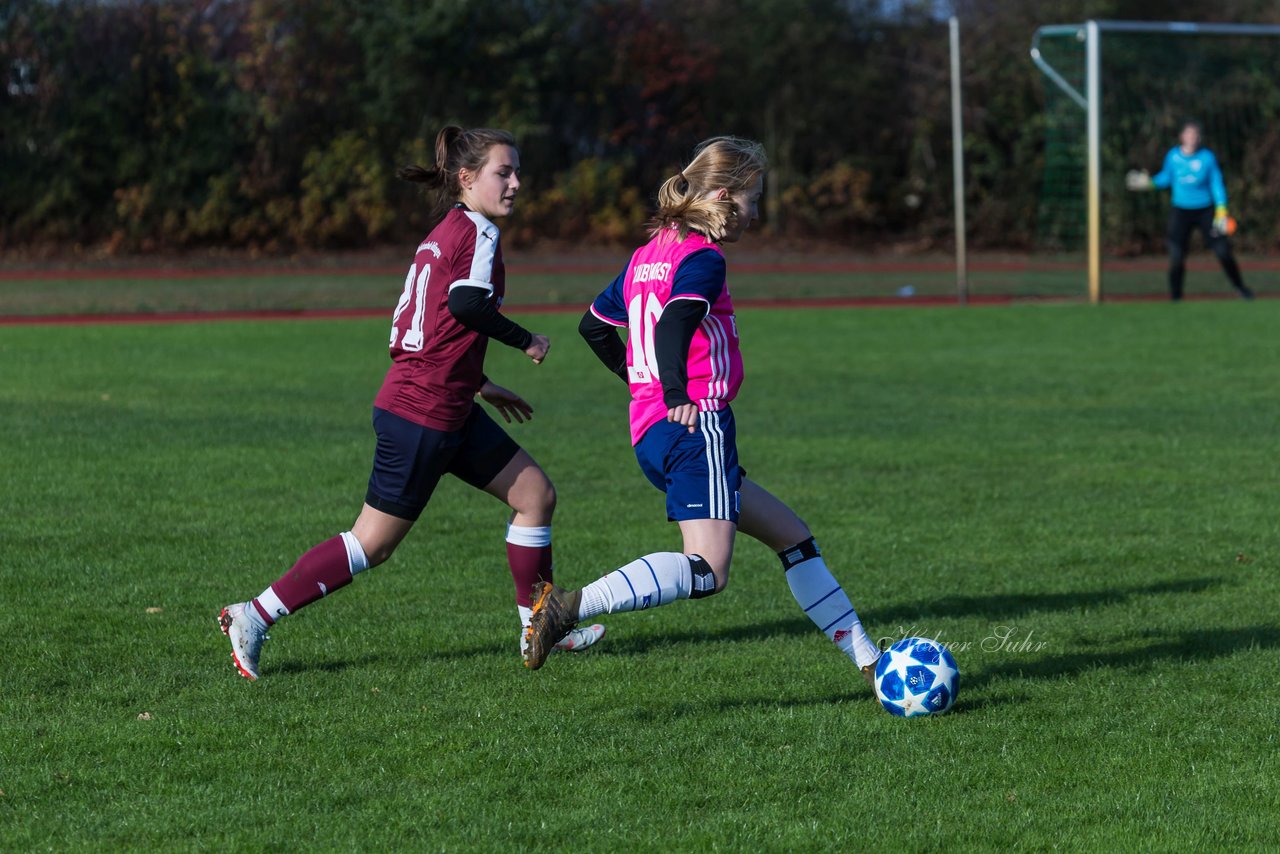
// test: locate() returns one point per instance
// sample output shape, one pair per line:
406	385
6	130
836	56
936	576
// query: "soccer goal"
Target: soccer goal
1117	93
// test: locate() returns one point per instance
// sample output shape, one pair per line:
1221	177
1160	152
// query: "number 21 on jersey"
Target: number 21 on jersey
415	294
642	317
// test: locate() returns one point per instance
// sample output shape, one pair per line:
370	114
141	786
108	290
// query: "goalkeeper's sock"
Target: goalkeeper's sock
825	602
657	579
319	572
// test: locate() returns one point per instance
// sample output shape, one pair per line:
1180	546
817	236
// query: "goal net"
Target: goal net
1153	78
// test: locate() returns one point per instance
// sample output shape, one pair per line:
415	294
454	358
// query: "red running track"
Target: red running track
560	308
592	267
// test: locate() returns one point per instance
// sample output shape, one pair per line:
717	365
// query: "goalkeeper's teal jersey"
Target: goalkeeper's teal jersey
1196	179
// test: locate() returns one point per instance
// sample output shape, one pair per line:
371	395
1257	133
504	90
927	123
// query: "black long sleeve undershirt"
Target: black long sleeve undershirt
472	307
671	339
605	342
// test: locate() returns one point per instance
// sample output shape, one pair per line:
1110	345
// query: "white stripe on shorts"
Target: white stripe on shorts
717	483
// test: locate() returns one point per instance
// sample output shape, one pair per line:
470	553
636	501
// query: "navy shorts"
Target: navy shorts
410	459
698	471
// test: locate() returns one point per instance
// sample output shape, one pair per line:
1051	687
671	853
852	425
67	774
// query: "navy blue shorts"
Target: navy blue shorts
698	471
410	459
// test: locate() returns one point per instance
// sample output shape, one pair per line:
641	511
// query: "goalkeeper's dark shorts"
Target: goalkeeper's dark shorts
1183	221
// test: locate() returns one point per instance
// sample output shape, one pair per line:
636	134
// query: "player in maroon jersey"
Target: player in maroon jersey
425	416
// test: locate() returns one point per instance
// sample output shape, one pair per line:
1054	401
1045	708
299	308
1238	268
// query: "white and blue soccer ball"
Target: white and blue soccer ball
917	676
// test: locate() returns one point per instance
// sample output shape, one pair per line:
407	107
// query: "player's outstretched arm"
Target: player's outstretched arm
472	306
1163	179
1137	180
605	341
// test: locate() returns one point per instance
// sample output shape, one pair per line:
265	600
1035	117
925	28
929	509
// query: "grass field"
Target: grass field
535	282
1081	501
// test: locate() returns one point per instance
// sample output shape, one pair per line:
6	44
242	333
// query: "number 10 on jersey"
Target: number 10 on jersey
642	316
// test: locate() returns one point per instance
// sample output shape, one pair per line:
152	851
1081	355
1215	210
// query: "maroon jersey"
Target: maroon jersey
437	364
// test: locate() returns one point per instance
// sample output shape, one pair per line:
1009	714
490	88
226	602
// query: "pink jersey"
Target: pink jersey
647	286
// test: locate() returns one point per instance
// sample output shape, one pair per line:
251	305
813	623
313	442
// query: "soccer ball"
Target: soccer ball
917	676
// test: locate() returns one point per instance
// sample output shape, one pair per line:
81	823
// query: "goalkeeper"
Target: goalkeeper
1199	202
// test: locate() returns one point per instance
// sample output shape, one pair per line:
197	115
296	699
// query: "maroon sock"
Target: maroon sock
317	573
529	563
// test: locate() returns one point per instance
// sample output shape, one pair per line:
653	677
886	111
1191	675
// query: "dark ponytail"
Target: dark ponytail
456	149
418	175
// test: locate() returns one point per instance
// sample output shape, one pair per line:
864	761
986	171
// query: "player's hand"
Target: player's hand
1220	220
538	349
509	404
1137	180
686	414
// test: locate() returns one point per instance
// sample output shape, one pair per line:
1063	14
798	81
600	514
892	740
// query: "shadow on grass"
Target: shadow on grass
639	645
504	646
1005	607
856	698
1200	645
996	607
329	666
764	703
1011	605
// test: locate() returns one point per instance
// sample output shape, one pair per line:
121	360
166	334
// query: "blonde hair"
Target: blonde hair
727	162
456	149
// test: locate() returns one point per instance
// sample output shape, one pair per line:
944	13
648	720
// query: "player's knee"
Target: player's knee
1176	255
1222	248
536	499
375	542
544	497
379	553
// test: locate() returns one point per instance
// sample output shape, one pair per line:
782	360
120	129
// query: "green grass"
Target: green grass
262	289
1102	482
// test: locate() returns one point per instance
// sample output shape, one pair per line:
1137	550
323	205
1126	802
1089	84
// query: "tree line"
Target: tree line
278	125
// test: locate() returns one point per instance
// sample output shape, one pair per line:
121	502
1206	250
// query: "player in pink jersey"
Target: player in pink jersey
683	367
425	416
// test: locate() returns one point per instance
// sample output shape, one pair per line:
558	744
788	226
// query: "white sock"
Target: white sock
521	535
657	579
271	602
826	603
356	557
533	538
252	613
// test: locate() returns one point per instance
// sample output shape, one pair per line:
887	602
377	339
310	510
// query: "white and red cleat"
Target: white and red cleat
580	638
246	635
576	641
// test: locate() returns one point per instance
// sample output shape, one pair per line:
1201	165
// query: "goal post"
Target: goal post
957	162
1089	77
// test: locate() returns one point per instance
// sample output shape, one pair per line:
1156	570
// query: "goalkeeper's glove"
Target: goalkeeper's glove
1137	179
1220	219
